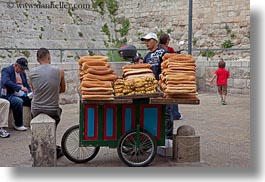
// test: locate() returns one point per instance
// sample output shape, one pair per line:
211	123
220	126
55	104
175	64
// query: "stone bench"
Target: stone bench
26	117
43	141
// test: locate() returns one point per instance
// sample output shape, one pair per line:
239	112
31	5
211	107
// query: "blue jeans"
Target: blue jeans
175	111
16	104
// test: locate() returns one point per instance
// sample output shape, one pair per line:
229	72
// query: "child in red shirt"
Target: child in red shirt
222	75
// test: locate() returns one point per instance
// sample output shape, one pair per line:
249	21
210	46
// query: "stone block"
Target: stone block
26	117
43	141
186	148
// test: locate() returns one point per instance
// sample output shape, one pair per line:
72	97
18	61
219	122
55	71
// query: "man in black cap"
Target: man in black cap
14	88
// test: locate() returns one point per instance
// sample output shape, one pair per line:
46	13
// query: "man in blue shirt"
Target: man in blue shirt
154	57
14	88
155	54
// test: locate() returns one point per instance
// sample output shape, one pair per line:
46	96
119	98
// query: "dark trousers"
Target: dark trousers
175	111
169	122
54	114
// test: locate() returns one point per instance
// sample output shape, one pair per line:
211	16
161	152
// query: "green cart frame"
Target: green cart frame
135	125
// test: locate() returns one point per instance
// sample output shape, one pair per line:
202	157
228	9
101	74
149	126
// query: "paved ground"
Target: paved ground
224	132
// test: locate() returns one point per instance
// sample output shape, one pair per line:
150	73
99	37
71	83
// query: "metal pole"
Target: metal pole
190	29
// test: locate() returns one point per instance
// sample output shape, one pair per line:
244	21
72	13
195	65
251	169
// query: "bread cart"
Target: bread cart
135	125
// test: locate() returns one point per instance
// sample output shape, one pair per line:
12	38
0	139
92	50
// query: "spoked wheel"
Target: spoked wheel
137	149
72	150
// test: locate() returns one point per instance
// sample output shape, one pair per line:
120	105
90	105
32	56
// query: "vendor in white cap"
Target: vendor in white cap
154	57
155	54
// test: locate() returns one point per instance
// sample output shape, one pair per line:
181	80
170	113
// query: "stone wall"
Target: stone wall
24	27
238	83
214	22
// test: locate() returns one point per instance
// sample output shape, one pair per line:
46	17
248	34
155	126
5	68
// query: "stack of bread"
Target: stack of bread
119	86
138	79
96	78
177	78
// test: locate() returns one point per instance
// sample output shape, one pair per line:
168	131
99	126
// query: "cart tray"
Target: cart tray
140	96
194	101
115	101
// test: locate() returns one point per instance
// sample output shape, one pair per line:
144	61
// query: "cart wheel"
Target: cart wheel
135	156
72	150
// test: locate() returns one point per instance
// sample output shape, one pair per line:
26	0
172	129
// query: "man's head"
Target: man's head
164	39
138	59
21	65
151	41
43	55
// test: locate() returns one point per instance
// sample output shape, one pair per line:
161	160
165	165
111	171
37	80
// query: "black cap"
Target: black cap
23	63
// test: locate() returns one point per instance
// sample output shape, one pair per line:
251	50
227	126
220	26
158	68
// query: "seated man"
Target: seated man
47	89
14	88
4	112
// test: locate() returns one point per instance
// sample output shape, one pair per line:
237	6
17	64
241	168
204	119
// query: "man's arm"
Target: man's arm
62	82
7	82
26	87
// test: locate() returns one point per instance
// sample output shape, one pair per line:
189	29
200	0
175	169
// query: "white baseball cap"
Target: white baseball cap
150	35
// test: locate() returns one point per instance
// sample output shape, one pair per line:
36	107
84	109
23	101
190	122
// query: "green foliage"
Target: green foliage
114	55
248	35
41	29
80	34
210	53
25	14
70	12
169	31
98	5
112	6
106	44
228	29
227	44
125	28
49	18
91	53
233	35
26	53
105	29
60	29
77	57
194	41
160	33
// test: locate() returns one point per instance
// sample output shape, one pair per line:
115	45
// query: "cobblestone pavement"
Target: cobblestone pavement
224	132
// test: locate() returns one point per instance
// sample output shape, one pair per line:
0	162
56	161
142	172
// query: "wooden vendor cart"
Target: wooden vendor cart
135	125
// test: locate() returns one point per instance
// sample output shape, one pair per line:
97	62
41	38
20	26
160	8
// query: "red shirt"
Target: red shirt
170	49
222	76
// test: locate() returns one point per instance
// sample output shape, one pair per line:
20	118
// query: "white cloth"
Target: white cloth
4	112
